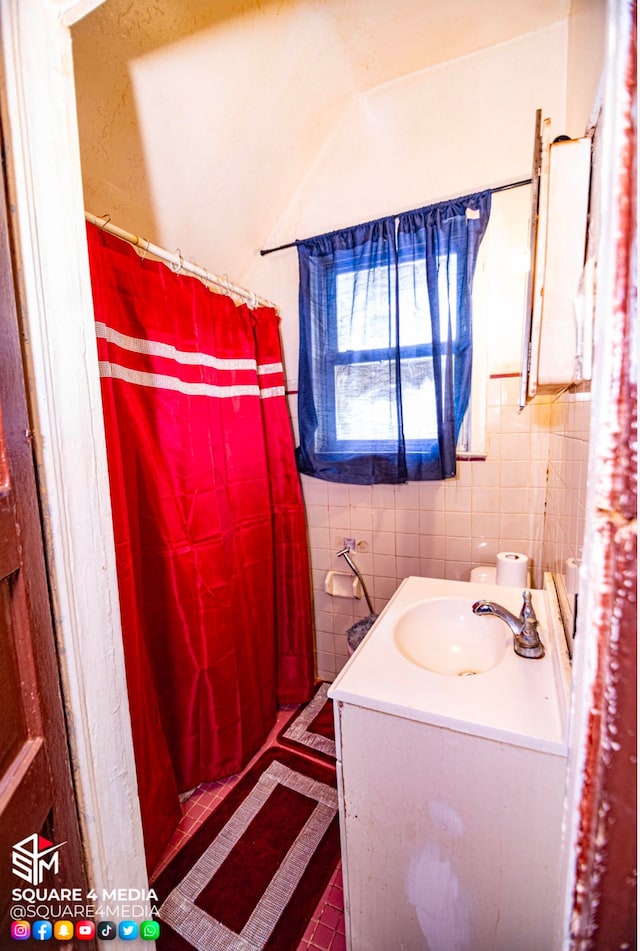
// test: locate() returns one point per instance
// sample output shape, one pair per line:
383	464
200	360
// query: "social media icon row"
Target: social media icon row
85	930
128	930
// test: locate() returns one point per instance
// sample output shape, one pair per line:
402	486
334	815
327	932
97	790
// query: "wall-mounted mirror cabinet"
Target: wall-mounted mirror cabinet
557	346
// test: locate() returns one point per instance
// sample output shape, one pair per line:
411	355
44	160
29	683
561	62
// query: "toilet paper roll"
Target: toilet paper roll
512	568
572	576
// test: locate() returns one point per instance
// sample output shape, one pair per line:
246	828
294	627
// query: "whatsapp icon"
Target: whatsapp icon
149	930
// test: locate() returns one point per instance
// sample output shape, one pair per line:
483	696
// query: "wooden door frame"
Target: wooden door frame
46	208
37	792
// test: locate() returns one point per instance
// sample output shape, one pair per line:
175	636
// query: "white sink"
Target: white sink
445	636
412	660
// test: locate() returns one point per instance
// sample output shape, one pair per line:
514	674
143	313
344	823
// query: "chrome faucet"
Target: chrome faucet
526	640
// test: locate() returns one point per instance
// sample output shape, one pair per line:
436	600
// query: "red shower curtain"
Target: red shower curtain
208	520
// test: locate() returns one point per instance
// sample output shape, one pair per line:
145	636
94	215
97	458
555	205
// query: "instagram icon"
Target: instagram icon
20	930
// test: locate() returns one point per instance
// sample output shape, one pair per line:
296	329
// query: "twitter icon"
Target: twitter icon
128	930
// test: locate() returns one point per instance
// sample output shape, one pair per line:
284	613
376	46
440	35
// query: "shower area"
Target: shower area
209	527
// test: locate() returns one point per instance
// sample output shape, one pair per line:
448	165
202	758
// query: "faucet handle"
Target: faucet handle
528	613
528	644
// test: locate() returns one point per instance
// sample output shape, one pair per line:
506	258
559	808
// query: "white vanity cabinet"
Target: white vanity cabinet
450	841
451	787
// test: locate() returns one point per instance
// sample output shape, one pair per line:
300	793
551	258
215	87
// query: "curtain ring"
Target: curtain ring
107	219
143	254
179	267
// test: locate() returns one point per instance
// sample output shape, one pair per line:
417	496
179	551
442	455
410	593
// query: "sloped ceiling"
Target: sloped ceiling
197	115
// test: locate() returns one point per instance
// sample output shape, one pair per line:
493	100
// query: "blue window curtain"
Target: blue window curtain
384	373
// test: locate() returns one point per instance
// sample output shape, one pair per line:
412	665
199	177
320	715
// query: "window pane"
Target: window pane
418	399
415	321
448	295
365	309
365	401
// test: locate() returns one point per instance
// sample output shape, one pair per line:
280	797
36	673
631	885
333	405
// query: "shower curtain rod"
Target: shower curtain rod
498	188
177	263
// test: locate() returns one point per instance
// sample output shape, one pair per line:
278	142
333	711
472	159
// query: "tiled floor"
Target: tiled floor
325	931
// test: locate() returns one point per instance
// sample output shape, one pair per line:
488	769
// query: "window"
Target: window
385	344
359	361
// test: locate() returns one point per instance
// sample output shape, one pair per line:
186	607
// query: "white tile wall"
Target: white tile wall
442	529
566	491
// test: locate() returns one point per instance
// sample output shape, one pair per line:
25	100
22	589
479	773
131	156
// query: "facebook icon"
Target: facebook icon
42	930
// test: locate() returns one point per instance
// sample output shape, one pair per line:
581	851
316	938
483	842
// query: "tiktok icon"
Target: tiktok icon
106	930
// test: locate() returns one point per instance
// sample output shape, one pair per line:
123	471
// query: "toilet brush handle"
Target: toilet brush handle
344	552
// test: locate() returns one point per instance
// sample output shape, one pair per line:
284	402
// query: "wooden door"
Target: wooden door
36	791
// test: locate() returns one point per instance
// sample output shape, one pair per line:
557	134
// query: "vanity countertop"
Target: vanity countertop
520	701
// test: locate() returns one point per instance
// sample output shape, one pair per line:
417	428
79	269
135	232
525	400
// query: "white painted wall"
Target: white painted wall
453	129
587	37
325	148
456	127
199	121
449	130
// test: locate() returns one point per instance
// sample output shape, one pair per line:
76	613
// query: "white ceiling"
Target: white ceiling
193	111
381	40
